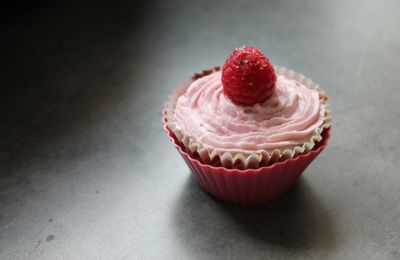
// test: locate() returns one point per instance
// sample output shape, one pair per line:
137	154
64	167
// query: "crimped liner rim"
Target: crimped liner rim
262	169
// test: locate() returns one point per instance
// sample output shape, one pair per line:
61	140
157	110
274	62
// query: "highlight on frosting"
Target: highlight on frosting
289	118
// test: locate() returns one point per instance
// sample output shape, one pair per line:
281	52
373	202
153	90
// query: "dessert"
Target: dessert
251	120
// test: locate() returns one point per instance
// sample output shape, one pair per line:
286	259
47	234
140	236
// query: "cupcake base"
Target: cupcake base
250	186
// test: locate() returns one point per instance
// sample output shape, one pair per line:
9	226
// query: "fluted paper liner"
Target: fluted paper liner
253	159
248	186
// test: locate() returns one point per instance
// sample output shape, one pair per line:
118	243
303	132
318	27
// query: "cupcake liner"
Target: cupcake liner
253	159
248	186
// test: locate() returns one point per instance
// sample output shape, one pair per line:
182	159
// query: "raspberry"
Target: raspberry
248	77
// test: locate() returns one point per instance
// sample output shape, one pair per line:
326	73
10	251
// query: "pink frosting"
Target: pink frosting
290	117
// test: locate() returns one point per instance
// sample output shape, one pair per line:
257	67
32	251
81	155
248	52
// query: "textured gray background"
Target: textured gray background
86	171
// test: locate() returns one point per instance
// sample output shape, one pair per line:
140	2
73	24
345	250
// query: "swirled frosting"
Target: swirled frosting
289	118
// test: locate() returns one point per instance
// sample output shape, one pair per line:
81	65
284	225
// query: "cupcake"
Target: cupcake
248	131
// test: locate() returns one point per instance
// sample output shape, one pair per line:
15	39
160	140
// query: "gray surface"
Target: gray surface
88	173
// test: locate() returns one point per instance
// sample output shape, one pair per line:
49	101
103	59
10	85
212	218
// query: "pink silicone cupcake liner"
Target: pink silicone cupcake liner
248	186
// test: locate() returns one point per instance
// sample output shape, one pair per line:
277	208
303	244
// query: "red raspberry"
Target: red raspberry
248	77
